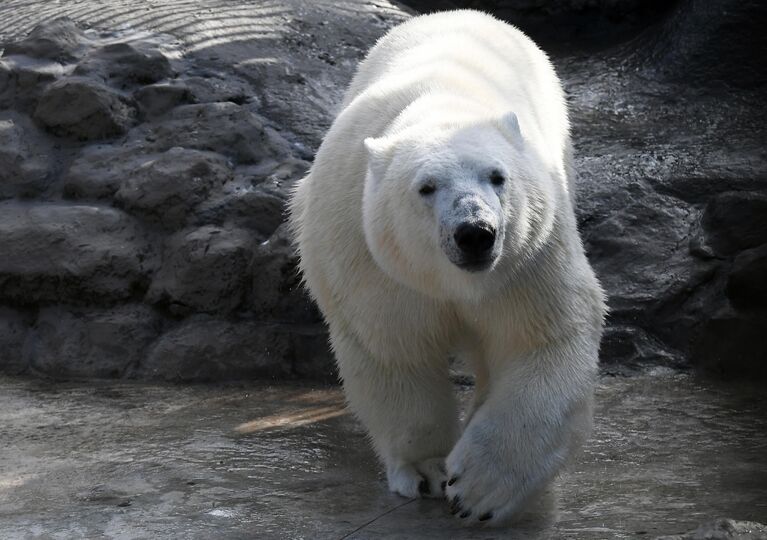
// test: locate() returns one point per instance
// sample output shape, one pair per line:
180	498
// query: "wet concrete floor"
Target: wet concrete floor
129	461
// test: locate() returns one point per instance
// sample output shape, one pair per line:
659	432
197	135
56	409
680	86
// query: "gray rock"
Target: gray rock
225	128
24	160
157	99
85	109
723	529
636	251
23	80
747	282
79	253
277	290
88	342
13	332
98	170
627	350
125	64
60	40
736	221
714	43
166	188
204	270
208	349
219	87
257	197
731	344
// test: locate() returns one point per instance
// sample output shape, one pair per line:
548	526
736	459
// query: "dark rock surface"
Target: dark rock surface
87	342
204	270
13	332
82	108
209	349
125	64
166	189
75	253
25	163
724	529
185	135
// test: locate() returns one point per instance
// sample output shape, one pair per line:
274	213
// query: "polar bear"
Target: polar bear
437	220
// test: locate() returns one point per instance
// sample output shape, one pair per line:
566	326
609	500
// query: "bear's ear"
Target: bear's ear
378	150
510	122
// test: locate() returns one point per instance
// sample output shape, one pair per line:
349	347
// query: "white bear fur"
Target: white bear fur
454	92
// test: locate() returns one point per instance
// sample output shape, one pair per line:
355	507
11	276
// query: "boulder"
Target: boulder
157	99
731	344
204	349
278	293
82	108
225	128
78	253
23	80
60	40
735	221
747	281
13	333
70	342
167	187
203	270
216	86
125	65
99	170
256	199
24	160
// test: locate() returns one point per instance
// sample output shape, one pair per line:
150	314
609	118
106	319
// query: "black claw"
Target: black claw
442	485
452	481
455	505
485	517
423	487
466	514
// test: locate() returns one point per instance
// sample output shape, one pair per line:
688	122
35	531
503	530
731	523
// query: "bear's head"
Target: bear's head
454	211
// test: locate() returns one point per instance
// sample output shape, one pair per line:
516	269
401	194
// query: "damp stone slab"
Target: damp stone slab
126	460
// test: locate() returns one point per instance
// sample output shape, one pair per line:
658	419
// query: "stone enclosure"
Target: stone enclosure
144	173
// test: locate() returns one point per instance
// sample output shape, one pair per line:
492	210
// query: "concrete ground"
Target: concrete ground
122	460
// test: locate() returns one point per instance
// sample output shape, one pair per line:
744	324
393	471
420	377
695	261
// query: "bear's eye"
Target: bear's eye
497	178
427	189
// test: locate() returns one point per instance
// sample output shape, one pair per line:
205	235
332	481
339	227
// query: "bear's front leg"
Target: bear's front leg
538	410
409	409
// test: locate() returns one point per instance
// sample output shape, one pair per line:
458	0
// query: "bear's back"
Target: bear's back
475	55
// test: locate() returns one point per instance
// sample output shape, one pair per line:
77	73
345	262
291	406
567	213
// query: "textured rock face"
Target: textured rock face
205	349
165	189
184	163
226	128
60	40
77	253
13	332
204	270
24	165
109	342
157	187
125	64
82	108
724	529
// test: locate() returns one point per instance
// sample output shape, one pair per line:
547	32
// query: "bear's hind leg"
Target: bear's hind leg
410	411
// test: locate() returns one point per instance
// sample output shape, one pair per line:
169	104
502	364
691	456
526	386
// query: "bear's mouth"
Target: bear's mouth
475	265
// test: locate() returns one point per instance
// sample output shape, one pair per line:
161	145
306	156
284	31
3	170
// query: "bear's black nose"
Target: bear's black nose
475	239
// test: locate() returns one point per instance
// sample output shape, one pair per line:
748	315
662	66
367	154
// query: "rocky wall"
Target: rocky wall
141	208
143	185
